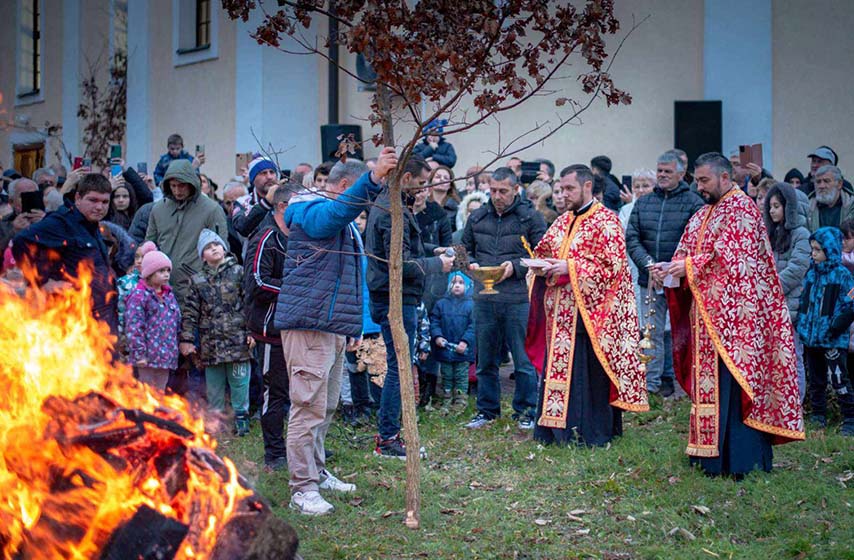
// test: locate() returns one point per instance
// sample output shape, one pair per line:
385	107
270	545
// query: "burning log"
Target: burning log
96	465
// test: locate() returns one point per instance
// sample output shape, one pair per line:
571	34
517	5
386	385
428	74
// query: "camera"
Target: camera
451	346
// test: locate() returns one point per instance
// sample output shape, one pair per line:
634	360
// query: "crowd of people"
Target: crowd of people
272	293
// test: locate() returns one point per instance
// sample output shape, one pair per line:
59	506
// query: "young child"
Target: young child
152	318
847	228
174	150
824	316
214	307
12	281
452	331
125	286
425	383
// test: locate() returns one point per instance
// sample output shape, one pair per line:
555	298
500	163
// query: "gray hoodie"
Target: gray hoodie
793	263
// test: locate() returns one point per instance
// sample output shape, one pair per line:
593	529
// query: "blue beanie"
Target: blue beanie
258	165
436	126
466	281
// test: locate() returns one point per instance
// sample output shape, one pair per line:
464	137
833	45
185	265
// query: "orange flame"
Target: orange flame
53	351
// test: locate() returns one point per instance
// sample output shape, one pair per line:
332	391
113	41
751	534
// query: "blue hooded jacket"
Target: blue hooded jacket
322	277
452	318
827	308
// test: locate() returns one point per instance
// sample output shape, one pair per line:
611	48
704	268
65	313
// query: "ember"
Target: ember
96	465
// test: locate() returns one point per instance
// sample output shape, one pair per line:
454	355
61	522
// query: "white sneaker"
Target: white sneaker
310	503
330	482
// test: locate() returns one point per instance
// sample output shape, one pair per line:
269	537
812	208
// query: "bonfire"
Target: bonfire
94	464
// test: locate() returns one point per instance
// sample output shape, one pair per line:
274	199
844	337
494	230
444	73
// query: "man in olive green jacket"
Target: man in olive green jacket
178	219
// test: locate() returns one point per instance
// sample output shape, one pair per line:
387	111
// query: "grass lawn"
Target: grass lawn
495	493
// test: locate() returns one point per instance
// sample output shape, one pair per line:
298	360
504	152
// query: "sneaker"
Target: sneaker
479	421
667	389
391	448
525	423
330	482
819	420
241	425
278	464
310	503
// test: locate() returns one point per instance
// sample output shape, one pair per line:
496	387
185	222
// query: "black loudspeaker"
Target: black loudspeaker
329	134
697	128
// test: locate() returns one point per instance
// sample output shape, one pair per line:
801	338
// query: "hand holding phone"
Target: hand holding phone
30	201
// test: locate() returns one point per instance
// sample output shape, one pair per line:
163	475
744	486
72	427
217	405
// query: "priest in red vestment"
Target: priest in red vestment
733	350
582	328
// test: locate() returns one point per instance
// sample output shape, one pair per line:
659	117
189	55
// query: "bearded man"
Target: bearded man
733	350
580	329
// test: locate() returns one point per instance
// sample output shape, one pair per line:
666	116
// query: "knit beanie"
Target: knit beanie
436	126
258	165
152	262
793	173
146	248
207	237
602	162
8	259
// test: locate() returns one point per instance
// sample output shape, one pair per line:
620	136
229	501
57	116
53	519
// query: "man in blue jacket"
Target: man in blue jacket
319	307
66	239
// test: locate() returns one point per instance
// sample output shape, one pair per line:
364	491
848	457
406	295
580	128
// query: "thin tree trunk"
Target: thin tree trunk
395	319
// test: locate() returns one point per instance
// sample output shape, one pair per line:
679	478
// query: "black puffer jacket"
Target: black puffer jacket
491	239
435	232
262	280
417	263
656	225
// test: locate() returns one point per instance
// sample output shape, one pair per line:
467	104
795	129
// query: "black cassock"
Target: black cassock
590	418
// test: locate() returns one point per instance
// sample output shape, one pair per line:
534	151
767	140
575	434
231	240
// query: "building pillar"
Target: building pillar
277	98
71	77
737	63
138	77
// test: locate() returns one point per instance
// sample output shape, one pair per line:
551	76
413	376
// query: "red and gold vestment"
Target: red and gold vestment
598	290
730	306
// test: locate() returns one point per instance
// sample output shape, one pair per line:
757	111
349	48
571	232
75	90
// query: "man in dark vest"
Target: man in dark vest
319	307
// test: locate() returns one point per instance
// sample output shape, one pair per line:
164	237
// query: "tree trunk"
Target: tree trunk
395	319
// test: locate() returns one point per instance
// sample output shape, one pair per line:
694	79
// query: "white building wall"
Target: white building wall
813	78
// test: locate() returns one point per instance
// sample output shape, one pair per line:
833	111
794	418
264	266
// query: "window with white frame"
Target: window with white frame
195	24
29	48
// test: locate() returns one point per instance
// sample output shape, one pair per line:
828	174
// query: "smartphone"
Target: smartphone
78	163
627	181
750	154
32	201
200	149
530	171
241	161
116	151
142	168
87	163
